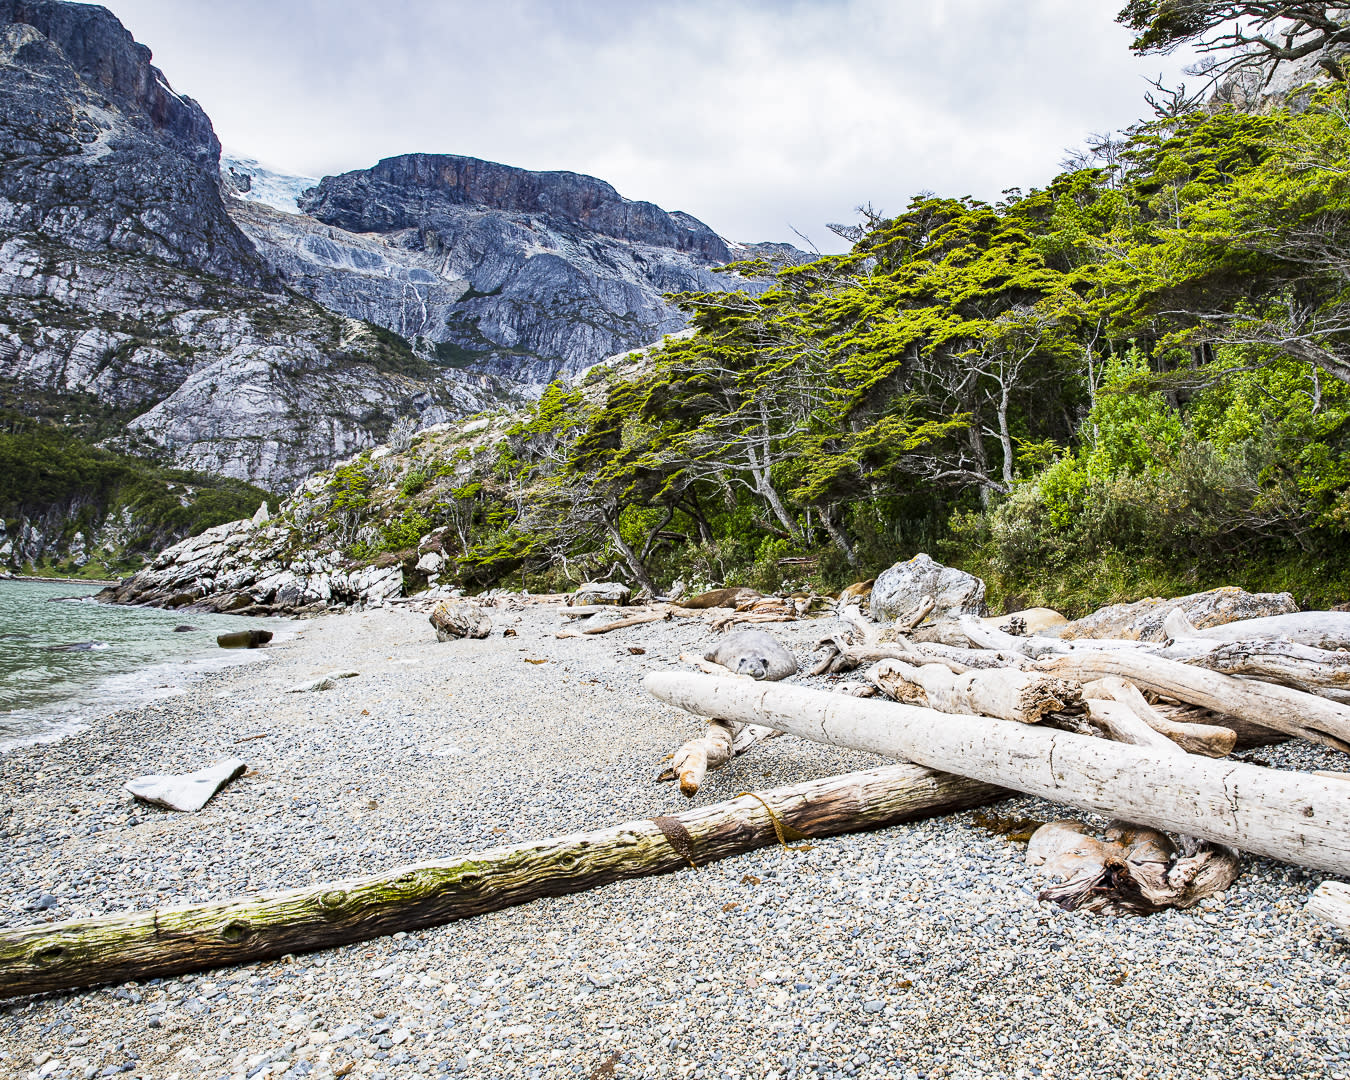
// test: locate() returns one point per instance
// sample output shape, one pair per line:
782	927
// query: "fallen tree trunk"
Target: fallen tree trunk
636	620
1331	902
1289	816
1210	740
1314	671
1318	629
1124	725
1279	707
169	941
1022	696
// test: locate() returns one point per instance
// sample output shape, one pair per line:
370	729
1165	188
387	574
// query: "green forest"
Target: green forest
1134	380
126	507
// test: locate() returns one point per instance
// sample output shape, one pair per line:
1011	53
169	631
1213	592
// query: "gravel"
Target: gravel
916	951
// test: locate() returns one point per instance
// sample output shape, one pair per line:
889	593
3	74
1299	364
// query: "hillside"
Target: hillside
1133	381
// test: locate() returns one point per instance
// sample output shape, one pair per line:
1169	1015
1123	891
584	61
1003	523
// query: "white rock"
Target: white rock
899	591
188	792
431	562
601	592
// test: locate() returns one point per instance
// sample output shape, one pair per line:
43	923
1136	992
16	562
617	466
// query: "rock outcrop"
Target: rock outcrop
908	588
124	280
252	569
521	274
228	337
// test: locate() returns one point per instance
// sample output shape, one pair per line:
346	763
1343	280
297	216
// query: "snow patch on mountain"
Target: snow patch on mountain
248	178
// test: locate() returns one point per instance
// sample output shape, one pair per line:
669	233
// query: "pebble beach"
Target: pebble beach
917	951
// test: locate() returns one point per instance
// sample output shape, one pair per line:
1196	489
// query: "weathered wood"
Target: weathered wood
983	636
168	941
1136	871
1279	707
636	620
1122	724
1022	696
1207	739
1318	629
1285	815
1331	901
709	751
1249	735
1314	671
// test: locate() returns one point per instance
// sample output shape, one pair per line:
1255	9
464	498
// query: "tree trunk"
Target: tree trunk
1207	739
1021	696
168	941
1317	629
651	536
1314	671
1290	816
837	535
1279	707
639	571
1331	902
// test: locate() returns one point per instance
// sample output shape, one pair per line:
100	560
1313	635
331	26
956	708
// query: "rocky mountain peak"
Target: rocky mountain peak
402	192
111	61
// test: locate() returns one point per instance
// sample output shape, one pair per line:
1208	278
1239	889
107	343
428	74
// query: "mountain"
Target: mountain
155	300
484	267
248	179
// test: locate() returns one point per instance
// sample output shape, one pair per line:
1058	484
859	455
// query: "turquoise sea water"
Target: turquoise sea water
122	655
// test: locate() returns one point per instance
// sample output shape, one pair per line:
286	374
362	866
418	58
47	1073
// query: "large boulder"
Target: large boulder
903	590
1143	620
601	592
460	619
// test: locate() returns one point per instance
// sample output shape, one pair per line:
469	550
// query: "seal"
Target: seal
754	653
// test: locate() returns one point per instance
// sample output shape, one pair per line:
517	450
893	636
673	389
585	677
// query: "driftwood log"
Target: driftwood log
1290	816
697	757
1314	671
168	941
1022	696
1208	739
1317	629
1331	902
1280	707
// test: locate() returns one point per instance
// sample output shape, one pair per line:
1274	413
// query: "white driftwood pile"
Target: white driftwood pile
1122	727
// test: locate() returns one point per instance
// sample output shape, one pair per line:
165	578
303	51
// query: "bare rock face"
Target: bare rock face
905	589
518	273
249	568
1143	621
239	340
99	153
124	279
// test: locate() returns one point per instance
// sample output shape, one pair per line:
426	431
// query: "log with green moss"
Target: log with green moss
168	941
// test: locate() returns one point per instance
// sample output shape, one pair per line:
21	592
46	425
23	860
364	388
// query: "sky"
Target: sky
764	119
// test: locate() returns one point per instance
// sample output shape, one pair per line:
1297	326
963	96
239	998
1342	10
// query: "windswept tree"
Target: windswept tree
1243	36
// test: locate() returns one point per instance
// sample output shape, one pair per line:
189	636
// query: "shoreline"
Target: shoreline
917	949
135	660
61	580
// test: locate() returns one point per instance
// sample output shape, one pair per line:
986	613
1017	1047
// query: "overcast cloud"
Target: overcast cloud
755	117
